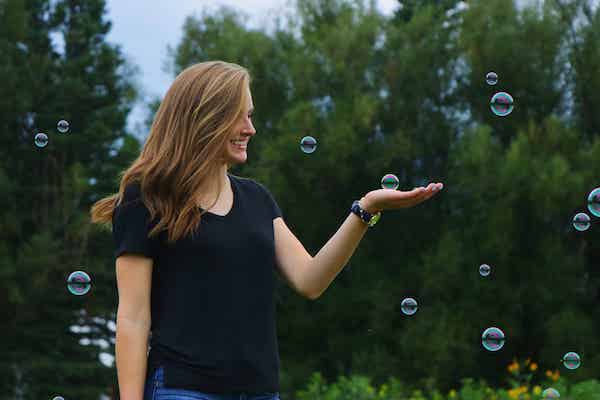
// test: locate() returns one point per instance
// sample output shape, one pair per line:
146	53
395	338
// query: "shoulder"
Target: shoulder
248	183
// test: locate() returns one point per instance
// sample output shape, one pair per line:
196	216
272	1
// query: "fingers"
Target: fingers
424	193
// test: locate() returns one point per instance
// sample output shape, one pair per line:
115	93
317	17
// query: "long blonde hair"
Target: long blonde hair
183	154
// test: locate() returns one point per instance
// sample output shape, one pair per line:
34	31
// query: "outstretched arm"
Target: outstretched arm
311	276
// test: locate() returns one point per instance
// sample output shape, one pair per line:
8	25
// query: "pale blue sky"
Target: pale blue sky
144	28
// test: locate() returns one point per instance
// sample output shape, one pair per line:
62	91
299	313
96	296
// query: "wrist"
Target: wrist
366	205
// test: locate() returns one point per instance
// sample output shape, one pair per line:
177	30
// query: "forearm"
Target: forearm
334	255
131	351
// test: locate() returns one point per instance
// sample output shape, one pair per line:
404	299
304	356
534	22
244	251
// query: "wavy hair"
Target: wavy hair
183	154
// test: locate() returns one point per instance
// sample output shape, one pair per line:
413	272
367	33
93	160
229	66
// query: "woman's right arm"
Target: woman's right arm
134	281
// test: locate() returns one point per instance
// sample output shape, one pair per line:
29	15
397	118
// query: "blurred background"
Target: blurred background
384	87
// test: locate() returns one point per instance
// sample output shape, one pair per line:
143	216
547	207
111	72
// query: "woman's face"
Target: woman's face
235	150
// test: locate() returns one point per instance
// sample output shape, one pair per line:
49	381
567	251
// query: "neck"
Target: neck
209	194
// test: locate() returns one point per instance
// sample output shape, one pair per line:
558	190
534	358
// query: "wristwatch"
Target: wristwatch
369	219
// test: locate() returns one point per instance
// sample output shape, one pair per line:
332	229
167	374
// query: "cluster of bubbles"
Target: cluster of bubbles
502	103
41	139
492	338
582	221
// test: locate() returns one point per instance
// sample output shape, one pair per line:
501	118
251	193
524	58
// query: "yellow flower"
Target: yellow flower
452	393
537	390
533	366
555	376
549	374
516	393
513	367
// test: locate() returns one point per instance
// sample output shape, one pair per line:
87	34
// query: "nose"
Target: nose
249	129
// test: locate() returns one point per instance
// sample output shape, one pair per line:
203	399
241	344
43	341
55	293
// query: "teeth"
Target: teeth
240	142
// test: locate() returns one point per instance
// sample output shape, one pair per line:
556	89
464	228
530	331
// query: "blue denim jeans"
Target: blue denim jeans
155	390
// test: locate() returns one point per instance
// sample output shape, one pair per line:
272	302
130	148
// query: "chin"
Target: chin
234	159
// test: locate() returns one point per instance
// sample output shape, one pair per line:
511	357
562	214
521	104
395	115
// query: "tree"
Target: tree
48	191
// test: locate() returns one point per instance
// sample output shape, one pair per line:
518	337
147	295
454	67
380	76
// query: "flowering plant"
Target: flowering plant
524	376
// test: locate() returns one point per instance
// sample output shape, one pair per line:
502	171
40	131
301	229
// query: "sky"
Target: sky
144	28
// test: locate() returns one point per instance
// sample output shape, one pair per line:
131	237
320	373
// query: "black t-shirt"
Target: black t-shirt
213	292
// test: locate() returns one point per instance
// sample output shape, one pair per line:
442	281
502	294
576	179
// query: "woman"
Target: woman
196	248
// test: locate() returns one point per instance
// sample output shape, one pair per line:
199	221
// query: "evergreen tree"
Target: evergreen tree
48	191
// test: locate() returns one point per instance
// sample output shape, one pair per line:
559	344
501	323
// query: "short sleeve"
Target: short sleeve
131	225
273	207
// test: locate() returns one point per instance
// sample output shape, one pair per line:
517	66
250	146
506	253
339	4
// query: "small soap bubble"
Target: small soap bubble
594	202
409	306
484	270
550	393
581	222
492	339
491	78
390	181
58	398
41	140
308	144
571	360
79	283
62	126
502	104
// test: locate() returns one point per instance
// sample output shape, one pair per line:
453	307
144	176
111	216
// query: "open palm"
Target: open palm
385	199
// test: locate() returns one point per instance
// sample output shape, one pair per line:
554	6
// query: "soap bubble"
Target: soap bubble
79	283
409	306
491	78
581	222
484	270
492	339
62	126
571	360
390	181
58	398
308	144
41	140
594	202
502	104
550	393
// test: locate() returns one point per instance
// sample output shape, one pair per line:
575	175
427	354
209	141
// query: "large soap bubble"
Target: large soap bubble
79	283
390	181
308	144
409	306
40	140
502	104
62	126
491	78
581	222
493	339
571	360
594	202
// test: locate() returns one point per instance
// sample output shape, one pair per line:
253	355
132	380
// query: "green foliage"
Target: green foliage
357	387
403	95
